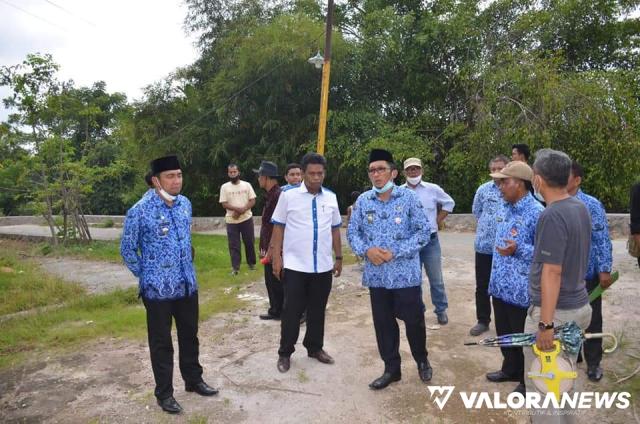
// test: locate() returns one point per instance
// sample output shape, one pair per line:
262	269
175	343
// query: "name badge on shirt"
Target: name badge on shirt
370	216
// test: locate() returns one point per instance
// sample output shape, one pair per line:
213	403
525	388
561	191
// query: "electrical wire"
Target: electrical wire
230	98
8	3
70	12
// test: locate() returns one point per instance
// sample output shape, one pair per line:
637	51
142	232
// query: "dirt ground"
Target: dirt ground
111	381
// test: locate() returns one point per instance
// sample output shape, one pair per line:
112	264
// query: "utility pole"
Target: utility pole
326	70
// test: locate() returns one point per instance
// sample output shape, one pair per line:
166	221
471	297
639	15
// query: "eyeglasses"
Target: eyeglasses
374	171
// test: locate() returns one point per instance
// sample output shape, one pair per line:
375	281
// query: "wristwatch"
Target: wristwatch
338	258
544	326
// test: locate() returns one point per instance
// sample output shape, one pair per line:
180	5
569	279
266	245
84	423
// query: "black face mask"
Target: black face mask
235	179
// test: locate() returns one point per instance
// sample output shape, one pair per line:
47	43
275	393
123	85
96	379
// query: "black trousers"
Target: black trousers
302	291
388	305
159	319
593	347
483	300
234	231
275	291
510	319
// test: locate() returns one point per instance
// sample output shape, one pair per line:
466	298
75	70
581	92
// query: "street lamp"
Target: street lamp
316	60
325	62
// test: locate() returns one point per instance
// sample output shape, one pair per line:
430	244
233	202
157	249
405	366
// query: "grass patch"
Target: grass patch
115	314
82	317
106	251
303	377
23	286
107	223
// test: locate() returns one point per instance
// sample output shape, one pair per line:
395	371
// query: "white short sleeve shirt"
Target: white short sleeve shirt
431	195
308	221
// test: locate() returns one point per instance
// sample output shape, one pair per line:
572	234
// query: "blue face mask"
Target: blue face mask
384	189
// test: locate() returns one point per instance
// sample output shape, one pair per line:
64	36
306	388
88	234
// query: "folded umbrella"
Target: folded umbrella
569	334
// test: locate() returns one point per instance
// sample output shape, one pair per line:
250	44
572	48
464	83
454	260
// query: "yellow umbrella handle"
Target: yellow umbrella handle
613	338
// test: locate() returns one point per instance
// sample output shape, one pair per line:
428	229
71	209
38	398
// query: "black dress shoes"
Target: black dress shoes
284	363
425	371
443	319
499	377
321	356
520	388
201	388
594	373
268	316
170	405
478	329
384	380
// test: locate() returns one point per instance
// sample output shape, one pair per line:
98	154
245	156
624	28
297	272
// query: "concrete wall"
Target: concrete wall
618	222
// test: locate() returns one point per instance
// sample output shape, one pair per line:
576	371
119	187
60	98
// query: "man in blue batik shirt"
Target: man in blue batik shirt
509	283
388	228
486	204
156	247
599	268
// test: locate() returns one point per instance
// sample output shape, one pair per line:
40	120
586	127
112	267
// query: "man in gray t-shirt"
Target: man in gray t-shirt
563	237
560	258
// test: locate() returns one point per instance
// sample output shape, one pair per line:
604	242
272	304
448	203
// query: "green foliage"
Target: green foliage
454	82
68	155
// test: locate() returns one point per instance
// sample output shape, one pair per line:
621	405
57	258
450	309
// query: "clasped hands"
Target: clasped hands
509	248
378	255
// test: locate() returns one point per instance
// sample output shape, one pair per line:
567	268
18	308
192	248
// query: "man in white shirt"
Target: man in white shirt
306	228
238	197
437	205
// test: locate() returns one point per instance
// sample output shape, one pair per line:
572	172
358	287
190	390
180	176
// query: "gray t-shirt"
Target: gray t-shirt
563	237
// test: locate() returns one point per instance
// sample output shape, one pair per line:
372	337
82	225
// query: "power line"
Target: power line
230	98
69	12
33	15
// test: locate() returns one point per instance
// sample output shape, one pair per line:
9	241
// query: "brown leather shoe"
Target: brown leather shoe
284	363
321	356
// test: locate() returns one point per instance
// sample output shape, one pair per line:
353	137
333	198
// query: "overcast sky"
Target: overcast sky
126	43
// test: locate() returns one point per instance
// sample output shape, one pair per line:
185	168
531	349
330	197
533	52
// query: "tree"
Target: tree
69	152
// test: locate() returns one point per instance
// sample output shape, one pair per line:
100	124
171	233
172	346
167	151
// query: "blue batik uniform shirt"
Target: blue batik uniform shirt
156	247
510	274
399	225
486	206
600	257
289	186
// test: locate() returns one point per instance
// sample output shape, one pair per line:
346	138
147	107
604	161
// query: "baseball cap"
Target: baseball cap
515	169
412	162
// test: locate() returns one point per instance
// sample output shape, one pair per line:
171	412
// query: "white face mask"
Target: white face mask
166	196
414	180
537	194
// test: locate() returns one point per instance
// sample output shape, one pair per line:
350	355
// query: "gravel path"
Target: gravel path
110	380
